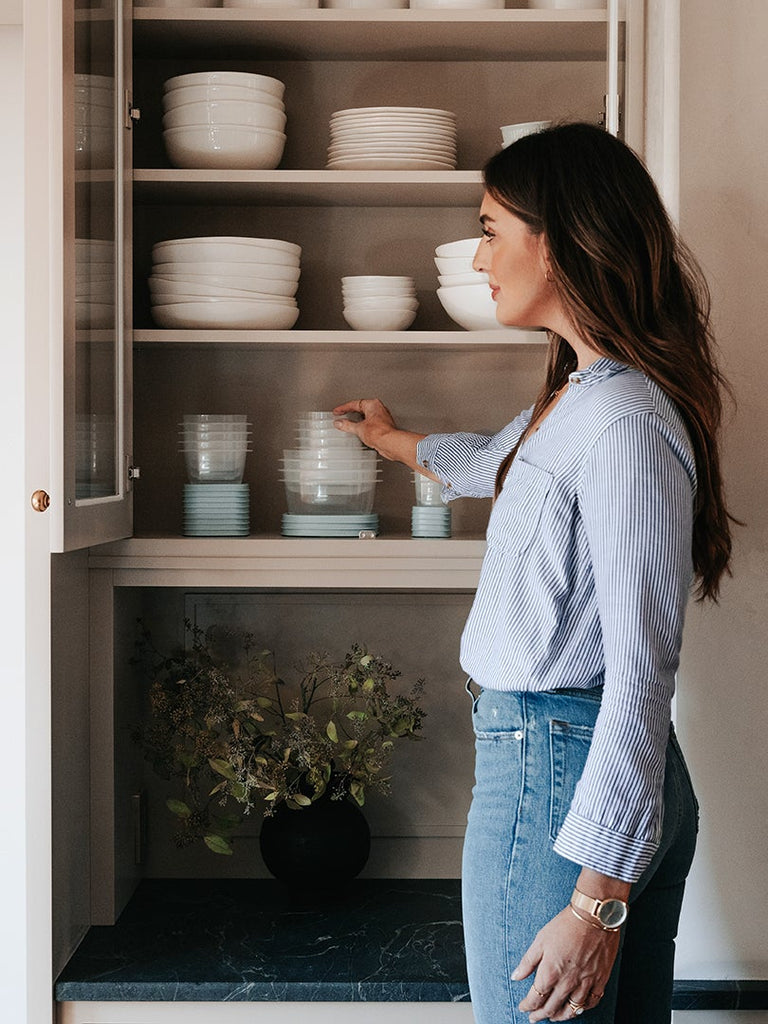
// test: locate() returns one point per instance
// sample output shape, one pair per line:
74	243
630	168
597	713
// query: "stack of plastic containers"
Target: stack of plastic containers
330	481
215	499
429	516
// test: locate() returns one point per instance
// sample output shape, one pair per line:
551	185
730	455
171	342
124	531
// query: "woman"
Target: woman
608	504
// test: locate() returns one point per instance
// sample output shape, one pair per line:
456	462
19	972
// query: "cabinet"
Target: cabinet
491	68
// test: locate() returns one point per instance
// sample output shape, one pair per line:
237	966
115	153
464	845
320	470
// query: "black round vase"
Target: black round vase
320	846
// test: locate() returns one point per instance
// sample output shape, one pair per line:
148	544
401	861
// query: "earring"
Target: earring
549	276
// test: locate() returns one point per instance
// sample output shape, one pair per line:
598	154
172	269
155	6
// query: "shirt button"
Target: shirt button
575	380
518	734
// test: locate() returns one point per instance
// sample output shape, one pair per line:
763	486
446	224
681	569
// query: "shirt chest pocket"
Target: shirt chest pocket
518	509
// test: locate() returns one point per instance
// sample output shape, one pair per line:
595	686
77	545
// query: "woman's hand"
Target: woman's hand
572	961
377	430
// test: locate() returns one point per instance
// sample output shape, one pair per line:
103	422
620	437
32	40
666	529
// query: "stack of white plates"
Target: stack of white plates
94	283
225	282
379	302
351	525
430	521
224	119
392	138
95	459
94	121
216	510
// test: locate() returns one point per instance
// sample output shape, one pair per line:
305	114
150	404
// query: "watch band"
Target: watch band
591	906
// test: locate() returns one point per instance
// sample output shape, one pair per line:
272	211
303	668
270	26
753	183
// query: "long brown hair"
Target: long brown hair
631	288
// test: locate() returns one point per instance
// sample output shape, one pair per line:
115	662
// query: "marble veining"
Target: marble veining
377	940
254	940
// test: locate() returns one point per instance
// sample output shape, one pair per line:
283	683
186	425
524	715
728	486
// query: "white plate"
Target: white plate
383	164
397	133
238	315
395	110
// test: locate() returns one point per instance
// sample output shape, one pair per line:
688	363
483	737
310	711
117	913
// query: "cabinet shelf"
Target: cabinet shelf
372	35
295	562
334	339
308	188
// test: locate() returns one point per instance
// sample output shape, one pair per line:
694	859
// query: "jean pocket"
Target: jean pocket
568	748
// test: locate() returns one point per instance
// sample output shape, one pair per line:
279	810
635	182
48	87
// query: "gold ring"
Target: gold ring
577	1008
541	995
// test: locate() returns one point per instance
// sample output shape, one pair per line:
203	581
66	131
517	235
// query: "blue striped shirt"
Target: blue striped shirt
584	583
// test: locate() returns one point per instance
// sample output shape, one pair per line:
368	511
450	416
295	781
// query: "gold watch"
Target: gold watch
608	914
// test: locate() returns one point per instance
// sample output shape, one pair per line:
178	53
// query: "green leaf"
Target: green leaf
239	792
330	731
295	716
357	792
271	796
369	685
222	767
218	788
218	844
264	702
179	808
301	800
350	744
358	716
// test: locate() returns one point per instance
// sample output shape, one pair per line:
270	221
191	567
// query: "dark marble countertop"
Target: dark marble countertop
377	940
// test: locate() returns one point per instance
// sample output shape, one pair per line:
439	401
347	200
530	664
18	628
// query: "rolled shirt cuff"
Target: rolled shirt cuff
426	452
594	846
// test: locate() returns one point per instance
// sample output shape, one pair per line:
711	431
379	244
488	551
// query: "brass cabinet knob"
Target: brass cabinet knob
40	501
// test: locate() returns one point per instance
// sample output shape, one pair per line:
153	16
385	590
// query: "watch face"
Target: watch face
612	913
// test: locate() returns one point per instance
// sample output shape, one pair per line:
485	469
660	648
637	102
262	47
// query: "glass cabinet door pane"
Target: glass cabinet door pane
97	306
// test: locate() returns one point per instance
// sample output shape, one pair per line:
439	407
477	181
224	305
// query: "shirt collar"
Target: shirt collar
601	369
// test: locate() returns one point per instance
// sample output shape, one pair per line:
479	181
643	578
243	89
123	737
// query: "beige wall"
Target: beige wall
723	703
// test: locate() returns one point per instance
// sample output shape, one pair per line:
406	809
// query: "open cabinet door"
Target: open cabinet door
92	416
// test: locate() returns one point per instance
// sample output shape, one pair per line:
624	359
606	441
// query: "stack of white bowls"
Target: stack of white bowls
379	303
464	293
392	138
512	132
285	4
216	499
94	283
330	481
224	119
429	516
95	459
225	282
94	121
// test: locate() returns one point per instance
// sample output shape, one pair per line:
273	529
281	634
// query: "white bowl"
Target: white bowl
470	306
379	319
243	79
175	3
456	280
235	314
377	279
455	264
226	112
367	5
219	94
224	147
454	5
395	303
286	4
234	242
240	274
161	290
512	132
253	286
465	247
220	253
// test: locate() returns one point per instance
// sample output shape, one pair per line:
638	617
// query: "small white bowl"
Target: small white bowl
381	302
234	242
367	5
456	280
226	112
244	79
454	264
224	148
221	272
379	319
464	247
167	291
221	254
233	314
567	5
512	132
219	94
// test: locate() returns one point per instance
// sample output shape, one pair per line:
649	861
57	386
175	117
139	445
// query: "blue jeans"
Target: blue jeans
526	770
